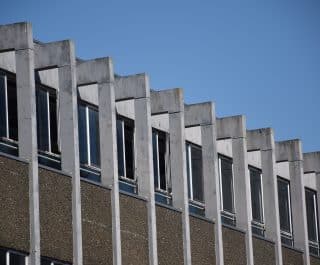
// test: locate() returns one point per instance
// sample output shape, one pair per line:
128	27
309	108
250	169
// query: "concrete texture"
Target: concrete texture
314	260
14	204
202	235
263	252
292	257
55	215
96	225
234	246
134	231
169	236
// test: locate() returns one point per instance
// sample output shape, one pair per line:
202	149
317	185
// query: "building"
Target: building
97	168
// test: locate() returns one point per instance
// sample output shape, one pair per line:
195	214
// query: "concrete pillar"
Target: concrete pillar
19	37
62	56
203	115
263	141
100	72
171	102
291	151
137	87
235	129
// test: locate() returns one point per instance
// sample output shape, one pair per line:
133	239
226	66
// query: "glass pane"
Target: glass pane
16	259
227	184
82	124
284	205
53	124
162	160
312	217
2	257
3	108
155	159
256	195
188	170
42	120
12	110
120	147
197	176
45	261
129	149
94	137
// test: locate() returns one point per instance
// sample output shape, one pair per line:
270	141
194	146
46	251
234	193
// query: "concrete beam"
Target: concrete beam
61	55
19	38
291	151
171	102
203	115
137	87
235	128
100	72
263	140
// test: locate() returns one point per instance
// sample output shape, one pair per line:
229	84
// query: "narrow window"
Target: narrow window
285	211
312	220
159	160
47	127
17	259
125	146
256	201
227	191
8	114
89	141
3	256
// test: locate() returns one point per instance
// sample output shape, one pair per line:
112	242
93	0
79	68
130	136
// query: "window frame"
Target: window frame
87	107
259	224
7	141
286	234
312	243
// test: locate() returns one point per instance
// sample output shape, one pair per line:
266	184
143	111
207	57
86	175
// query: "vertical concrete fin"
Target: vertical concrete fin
263	141
203	115
291	151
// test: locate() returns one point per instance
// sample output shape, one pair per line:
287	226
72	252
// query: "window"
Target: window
47	126
285	211
312	221
8	114
89	142
161	166
125	146
195	178
227	190
49	261
10	257
256	201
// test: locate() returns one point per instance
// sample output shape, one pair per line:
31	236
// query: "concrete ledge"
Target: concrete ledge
260	139
167	101
231	127
199	114
290	150
132	87
311	162
16	36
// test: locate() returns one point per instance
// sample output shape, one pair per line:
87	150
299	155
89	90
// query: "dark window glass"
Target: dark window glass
197	176
159	159
82	134
120	148
227	184
312	215
94	137
256	195
2	257
45	261
129	149
53	124
42	120
284	205
3	107
155	158
17	259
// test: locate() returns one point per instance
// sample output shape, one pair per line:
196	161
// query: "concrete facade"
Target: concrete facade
56	215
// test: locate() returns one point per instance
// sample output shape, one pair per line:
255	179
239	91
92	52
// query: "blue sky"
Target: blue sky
257	58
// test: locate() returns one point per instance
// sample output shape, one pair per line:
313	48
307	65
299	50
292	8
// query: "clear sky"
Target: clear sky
257	58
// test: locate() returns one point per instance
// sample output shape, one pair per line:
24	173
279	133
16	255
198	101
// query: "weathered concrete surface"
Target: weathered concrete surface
264	252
